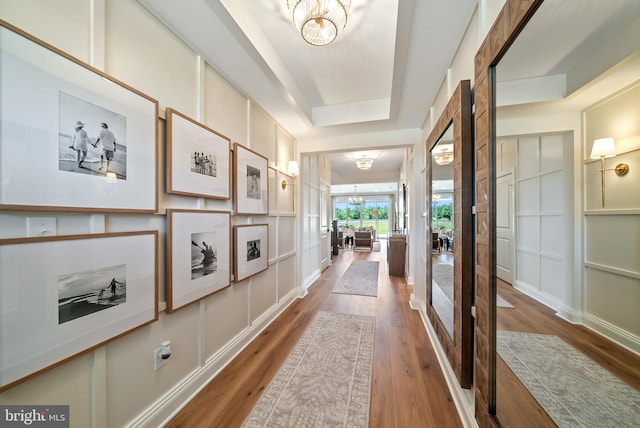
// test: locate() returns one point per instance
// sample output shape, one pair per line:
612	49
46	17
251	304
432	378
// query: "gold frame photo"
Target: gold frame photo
78	140
87	291
198	159
251	243
198	255
251	184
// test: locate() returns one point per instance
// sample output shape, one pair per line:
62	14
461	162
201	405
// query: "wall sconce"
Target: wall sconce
292	170
605	148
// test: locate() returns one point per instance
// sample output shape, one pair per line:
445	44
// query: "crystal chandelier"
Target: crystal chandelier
319	21
443	155
364	163
355	199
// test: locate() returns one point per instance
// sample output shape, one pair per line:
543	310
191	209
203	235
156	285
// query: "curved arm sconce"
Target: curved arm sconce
605	148
292	170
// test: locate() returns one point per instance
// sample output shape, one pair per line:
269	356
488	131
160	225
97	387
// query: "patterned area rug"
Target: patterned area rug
502	303
325	381
574	390
361	277
443	276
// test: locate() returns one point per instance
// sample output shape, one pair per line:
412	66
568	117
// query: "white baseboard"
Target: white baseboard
167	406
462	398
311	279
569	314
616	334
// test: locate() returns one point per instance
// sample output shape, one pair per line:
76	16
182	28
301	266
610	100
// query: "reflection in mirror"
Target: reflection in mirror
442	262
449	272
571	76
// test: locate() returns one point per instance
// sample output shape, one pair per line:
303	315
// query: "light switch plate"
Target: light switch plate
41	226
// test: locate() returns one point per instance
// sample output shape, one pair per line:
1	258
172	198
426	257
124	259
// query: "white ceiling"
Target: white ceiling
383	72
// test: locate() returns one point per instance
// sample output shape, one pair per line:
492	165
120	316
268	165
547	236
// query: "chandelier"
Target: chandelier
355	199
364	163
364	160
319	21
443	154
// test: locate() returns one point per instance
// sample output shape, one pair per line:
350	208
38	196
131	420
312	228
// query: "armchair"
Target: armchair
363	239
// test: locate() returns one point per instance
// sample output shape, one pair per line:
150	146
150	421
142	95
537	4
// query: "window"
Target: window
373	211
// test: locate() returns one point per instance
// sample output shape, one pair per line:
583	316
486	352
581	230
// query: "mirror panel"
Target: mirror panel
452	321
442	220
598	42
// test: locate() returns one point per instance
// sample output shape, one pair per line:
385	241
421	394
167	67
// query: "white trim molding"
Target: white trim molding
167	406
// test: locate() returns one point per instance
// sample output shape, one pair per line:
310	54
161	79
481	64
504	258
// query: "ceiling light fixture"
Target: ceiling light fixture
443	154
364	160
364	163
319	21
355	199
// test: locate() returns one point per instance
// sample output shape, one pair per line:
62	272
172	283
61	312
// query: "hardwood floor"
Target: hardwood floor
528	315
407	385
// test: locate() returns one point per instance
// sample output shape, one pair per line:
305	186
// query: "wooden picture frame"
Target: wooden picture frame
251	184
251	244
459	348
198	255
78	140
198	159
87	290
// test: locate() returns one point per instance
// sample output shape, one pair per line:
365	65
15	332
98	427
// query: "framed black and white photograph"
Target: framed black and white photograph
251	183
87	290
198	255
251	250
198	159
78	139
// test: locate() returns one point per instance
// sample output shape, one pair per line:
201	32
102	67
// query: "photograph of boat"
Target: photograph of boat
204	254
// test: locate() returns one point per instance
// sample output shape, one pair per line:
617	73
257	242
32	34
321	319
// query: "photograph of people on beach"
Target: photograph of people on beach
204	254
253	249
83	293
253	182
203	161
92	139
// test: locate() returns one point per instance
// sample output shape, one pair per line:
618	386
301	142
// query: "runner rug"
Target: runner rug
574	390
443	276
325	381
361	277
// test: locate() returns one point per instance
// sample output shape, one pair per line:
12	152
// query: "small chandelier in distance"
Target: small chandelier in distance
319	21
443	154
355	199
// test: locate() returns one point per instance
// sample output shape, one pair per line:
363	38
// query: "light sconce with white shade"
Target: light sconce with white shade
319	21
443	154
602	149
293	170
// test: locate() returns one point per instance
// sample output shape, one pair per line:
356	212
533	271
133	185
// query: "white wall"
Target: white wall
116	385
612	234
543	216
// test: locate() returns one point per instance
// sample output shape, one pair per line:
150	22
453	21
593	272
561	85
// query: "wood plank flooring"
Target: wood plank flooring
532	316
407	385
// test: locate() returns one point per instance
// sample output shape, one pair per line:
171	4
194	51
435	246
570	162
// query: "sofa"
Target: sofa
362	239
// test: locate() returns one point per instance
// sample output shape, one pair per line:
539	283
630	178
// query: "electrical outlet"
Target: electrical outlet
41	226
158	361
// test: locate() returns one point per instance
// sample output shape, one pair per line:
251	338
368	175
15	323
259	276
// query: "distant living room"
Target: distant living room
362	219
